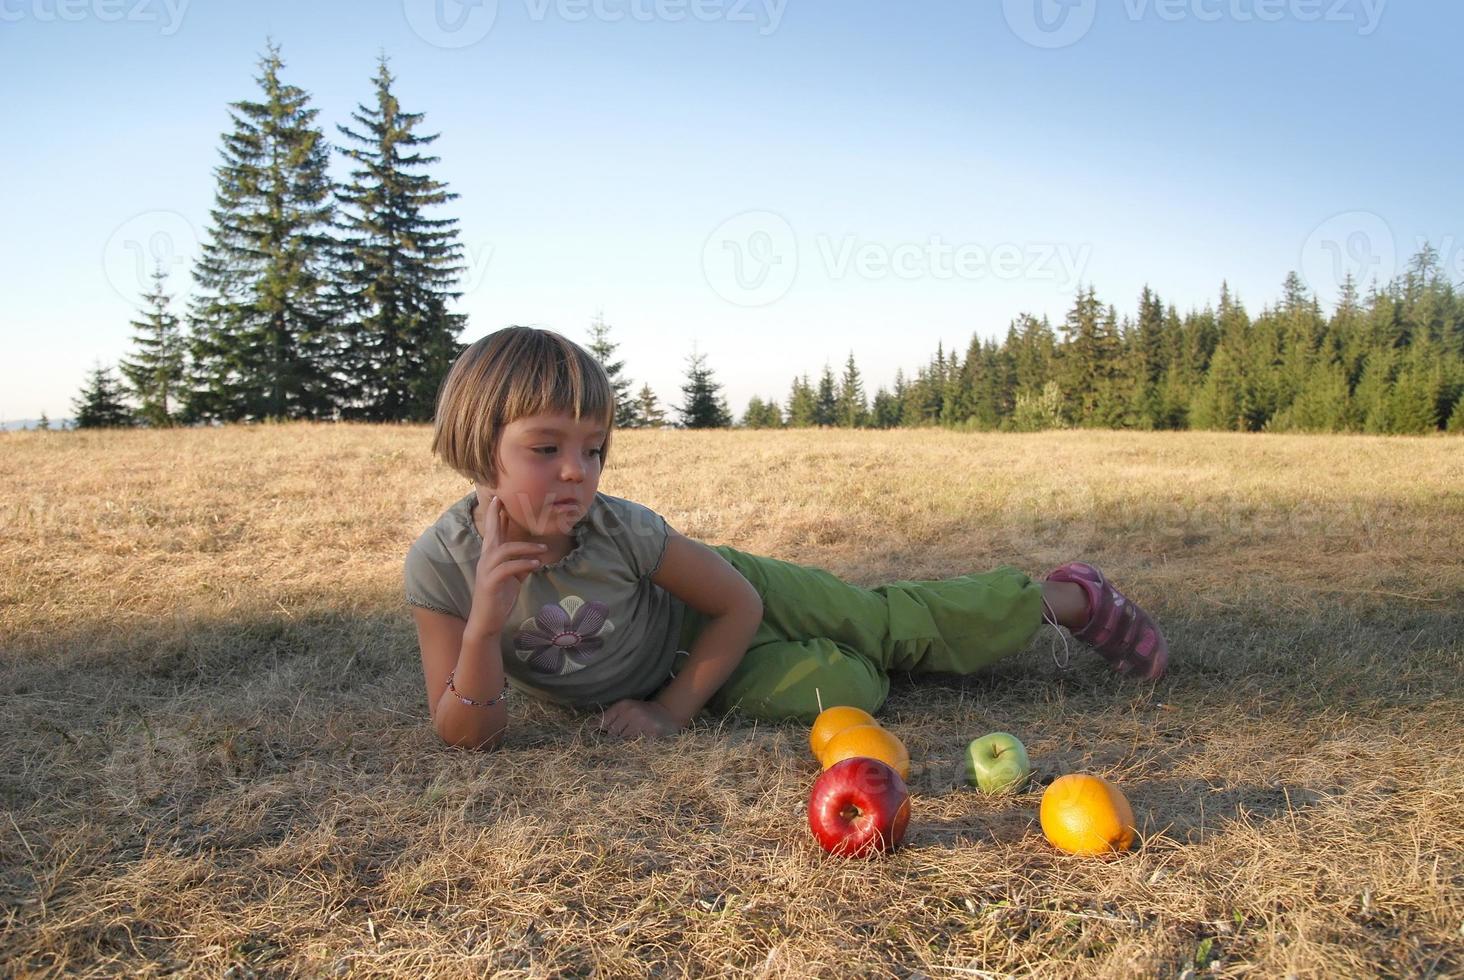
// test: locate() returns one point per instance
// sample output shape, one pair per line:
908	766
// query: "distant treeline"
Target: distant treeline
322	300
1392	362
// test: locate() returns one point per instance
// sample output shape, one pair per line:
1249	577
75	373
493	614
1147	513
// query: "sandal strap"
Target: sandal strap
1118	629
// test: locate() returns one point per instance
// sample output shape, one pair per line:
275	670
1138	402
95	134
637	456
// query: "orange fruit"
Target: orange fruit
1086	814
832	721
870	742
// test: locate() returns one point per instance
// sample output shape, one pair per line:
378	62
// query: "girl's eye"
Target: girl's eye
550	449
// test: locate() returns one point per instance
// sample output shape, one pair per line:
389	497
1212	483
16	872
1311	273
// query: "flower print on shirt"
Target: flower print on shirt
565	636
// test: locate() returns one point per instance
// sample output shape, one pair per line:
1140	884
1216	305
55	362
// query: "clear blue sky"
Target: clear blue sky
915	172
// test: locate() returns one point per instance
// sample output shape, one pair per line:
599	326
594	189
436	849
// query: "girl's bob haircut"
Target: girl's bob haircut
511	373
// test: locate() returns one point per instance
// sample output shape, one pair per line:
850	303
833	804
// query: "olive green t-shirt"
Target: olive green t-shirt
587	630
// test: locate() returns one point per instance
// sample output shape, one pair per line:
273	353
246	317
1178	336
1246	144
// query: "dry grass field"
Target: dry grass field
215	757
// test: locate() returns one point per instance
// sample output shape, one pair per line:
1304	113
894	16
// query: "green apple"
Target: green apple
997	763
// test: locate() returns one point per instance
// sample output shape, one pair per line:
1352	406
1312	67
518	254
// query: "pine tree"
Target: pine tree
264	340
397	266
157	372
1150	356
1032	347
1456	420
626	414
802	411
100	405
1220	403
1373	395
826	401
1322	405
851	408
1112	403
762	415
952	392
704	407
885	410
981	388
1088	360
648	411
44	424
1423	295
920	403
1414	400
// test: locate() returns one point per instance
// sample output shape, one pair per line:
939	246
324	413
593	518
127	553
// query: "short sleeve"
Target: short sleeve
644	535
435	583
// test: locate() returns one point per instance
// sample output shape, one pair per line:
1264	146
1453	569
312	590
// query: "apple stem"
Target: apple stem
819	696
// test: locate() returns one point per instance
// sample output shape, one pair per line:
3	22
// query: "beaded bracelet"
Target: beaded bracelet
470	701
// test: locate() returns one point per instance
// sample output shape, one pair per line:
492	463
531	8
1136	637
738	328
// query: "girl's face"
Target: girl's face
548	472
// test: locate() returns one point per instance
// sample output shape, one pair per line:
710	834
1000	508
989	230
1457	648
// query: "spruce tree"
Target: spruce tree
1373	395
1089	357
648	410
1151	353
1112	403
920	403
852	407
1456	420
801	408
1414	400
100	405
398	266
981	388
1322	405
264	340
885	410
626	416
1033	351
826	401
951	392
156	373
1347	327
1220	403
703	407
761	414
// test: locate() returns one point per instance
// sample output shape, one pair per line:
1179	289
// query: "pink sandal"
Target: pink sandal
1125	635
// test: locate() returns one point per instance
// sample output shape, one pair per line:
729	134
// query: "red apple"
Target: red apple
859	808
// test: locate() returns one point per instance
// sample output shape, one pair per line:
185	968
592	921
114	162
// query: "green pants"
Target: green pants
822	638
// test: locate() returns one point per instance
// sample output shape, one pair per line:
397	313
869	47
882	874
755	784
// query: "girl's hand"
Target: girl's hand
502	568
630	718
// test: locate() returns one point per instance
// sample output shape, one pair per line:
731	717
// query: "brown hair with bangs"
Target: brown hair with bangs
511	373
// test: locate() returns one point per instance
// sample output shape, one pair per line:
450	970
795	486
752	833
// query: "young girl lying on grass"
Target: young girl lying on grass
537	581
